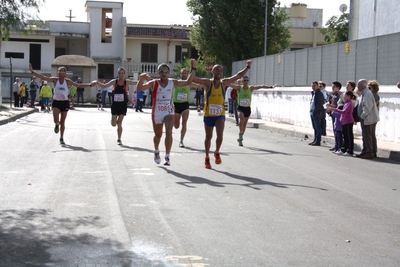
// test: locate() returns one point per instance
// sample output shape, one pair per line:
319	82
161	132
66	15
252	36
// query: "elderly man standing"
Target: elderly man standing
317	113
369	115
16	92
33	87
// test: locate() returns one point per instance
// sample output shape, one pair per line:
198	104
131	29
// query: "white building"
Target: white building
94	49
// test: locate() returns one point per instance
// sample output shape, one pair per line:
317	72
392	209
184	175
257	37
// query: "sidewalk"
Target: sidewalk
388	150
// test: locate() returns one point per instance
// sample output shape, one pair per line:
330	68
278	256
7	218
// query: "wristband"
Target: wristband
248	67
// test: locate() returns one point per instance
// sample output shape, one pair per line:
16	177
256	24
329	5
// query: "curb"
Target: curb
18	116
382	153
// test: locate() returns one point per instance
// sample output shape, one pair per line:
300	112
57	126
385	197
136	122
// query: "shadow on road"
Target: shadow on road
34	237
251	182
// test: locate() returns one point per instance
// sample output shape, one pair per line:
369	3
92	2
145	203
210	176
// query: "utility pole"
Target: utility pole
11	83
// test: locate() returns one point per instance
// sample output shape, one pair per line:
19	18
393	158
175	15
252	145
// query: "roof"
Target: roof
158	32
74	61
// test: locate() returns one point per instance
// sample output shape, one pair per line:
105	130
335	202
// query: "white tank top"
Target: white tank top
163	96
61	91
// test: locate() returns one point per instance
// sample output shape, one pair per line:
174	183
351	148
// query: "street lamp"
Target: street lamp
265	25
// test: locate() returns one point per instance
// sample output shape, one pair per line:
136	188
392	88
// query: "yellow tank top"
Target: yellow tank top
214	101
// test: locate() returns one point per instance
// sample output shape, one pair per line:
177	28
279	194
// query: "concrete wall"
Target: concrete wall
291	105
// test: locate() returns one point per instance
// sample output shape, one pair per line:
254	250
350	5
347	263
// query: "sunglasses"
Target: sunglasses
61	72
163	71
245	80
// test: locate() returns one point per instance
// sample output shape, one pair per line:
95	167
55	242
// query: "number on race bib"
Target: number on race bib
245	102
163	108
182	97
119	98
215	109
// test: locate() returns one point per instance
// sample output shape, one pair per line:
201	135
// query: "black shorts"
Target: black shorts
181	107
119	109
246	111
61	105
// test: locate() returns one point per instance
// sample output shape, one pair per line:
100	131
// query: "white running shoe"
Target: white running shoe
157	158
339	152
347	154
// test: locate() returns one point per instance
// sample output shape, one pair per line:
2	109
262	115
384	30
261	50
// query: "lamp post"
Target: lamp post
265	25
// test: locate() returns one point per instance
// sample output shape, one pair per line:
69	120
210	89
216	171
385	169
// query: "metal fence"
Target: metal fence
372	58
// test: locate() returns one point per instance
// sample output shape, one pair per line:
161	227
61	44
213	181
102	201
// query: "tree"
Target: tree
14	15
229	30
200	72
337	29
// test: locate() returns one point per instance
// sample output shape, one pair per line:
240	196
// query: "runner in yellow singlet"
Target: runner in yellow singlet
244	103
214	110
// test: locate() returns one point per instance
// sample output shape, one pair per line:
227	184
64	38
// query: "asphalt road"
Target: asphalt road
273	202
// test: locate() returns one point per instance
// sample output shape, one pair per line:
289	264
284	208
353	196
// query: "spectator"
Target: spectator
80	92
374	87
139	100
109	93
46	93
16	92
33	87
144	97
333	102
198	96
317	113
230	104
22	94
98	100
369	115
234	94
104	91
72	93
322	86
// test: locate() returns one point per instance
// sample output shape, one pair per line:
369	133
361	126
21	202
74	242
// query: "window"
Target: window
106	35
105	71
149	53
35	56
178	53
14	55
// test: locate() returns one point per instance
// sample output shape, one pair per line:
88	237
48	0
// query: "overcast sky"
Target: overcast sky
161	11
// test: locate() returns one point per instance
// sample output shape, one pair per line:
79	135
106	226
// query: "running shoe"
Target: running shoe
157	159
167	163
207	163
339	152
240	143
62	141
119	142
57	128
240	137
181	144
218	159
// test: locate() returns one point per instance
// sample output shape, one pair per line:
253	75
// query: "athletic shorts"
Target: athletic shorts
119	109
159	117
210	121
61	105
45	101
181	107
246	111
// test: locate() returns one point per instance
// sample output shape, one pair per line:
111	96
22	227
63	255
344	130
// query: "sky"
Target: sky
161	11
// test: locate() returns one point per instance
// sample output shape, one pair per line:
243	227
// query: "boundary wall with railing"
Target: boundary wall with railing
372	58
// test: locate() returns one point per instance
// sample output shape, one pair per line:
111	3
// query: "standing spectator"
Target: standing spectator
228	96
317	113
322	86
369	115
373	86
80	92
104	91
139	100
337	131
98	100
72	93
144	97
33	87
198	96
109	93
347	121
46	93
16	92
22	94
333	101
134	99
234	94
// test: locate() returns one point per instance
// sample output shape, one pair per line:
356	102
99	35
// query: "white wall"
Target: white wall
291	105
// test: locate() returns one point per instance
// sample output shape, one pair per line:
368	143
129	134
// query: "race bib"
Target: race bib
163	108
182	97
60	97
215	110
118	97
245	102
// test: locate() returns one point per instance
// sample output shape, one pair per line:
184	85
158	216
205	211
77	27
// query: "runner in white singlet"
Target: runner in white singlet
163	109
60	103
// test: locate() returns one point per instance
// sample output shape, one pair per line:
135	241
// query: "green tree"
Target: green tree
229	30
14	15
337	29
200	72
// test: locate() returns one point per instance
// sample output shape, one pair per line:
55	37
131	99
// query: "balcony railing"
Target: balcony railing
150	68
